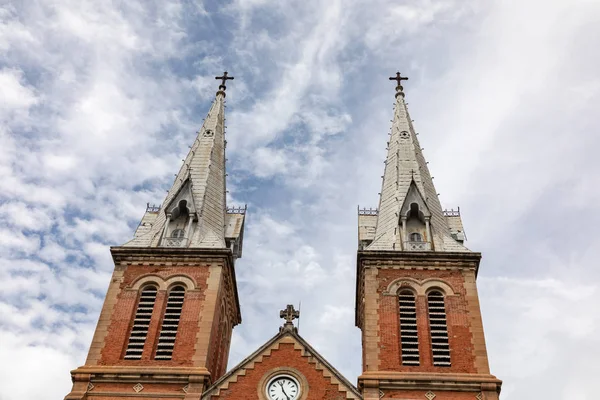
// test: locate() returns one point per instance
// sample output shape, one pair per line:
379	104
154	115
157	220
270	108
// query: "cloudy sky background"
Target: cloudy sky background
99	101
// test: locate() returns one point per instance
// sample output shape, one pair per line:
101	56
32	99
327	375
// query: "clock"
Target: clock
283	387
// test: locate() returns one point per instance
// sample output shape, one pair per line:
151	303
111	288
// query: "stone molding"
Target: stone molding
152	376
164	284
419	287
391	380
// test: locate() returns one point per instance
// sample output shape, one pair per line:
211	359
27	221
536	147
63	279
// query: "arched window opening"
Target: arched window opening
178	233
170	323
440	348
141	322
409	339
181	210
416	237
415	212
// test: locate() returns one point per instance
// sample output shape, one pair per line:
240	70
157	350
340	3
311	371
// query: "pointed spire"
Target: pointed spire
406	183
194	212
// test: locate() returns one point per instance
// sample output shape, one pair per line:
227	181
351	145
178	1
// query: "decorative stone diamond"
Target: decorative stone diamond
381	394
430	395
186	388
90	387
479	396
138	387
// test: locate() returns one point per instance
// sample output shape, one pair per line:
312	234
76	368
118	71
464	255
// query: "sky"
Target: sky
100	101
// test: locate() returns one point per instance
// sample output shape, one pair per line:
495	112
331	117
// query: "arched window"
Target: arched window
141	322
409	339
416	237
170	323
440	348
178	233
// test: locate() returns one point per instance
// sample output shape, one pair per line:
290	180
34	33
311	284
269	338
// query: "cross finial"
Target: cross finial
399	78
289	314
224	80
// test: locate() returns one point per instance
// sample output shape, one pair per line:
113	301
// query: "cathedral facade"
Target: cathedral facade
165	328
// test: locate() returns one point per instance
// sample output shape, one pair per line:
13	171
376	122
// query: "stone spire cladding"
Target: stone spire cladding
198	191
406	178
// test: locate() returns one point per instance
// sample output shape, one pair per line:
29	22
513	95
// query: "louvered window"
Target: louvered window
170	323
141	322
438	326
409	338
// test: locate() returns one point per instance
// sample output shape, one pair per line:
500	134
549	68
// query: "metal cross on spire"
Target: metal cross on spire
399	78
224	80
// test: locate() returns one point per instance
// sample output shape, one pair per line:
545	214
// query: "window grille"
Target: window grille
170	323
409	338
438	326
416	237
141	322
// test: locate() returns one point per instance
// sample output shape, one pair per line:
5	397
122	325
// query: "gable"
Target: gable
413	195
286	354
183	194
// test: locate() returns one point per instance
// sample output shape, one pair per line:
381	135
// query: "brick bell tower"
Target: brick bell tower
165	328
416	296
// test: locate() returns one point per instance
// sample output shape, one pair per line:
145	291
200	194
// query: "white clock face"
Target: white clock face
283	387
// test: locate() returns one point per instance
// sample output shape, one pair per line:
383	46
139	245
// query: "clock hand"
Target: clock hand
286	396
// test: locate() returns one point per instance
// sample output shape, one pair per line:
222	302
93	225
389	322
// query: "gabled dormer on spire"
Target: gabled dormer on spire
194	213
410	216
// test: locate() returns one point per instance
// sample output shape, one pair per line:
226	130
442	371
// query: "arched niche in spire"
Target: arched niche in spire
414	221
181	215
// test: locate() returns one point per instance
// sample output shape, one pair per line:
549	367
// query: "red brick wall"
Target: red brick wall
247	386
460	337
215	336
120	326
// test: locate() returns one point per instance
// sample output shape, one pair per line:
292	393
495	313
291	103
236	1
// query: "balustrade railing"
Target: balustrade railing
174	242
417	246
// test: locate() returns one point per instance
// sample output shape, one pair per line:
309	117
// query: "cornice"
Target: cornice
138	373
419	256
429	381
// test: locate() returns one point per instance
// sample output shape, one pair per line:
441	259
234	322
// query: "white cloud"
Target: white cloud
100	102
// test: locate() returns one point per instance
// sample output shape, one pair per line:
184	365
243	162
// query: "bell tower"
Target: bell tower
165	327
416	293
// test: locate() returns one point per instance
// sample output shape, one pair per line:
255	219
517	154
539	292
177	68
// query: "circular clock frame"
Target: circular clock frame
278	372
284	375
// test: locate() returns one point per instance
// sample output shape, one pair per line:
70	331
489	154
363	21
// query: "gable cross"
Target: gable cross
289	314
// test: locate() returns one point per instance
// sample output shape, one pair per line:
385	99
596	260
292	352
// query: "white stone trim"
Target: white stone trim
162	283
419	287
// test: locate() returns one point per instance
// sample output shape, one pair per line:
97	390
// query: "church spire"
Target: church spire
410	215
194	212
